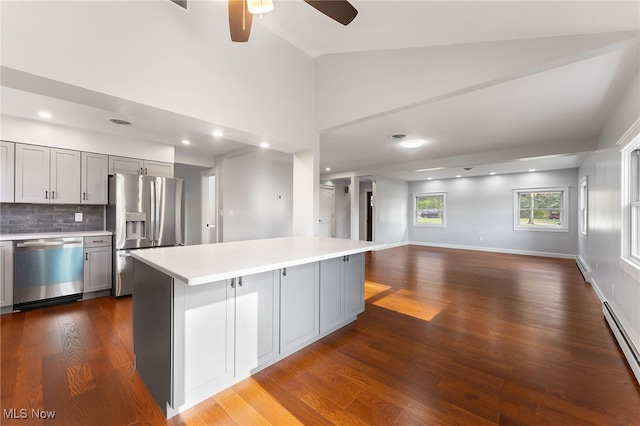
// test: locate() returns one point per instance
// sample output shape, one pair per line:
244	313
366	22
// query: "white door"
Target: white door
327	210
209	207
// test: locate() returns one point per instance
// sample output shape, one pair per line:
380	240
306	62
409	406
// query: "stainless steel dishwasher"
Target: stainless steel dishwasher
47	271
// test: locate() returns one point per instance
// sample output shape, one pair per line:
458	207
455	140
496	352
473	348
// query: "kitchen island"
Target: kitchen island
207	316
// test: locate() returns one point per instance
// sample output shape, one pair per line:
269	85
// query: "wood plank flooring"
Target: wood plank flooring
447	337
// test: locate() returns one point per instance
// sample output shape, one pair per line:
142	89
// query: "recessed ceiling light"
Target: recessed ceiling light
186	142
44	114
217	133
492	173
413	143
327	169
264	145
458	176
429	178
532	170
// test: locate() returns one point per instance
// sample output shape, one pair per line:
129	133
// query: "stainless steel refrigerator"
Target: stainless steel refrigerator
143	212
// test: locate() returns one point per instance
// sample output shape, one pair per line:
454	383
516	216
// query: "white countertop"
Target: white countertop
35	236
206	263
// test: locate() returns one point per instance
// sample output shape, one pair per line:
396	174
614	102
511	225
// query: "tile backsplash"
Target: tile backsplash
27	218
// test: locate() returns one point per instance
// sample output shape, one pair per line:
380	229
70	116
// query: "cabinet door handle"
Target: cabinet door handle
145	170
86	256
141	171
284	272
84	195
240	282
233	283
46	195
53	194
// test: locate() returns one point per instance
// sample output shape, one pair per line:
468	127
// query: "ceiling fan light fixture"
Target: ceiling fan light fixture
259	6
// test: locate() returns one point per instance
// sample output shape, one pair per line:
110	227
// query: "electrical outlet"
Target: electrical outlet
78	217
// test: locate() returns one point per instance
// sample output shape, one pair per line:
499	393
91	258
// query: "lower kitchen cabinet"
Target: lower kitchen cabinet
299	303
341	290
97	263
257	309
229	329
6	273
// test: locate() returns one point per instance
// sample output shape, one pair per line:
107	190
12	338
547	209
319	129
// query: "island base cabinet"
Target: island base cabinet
299	304
353	277
341	290
257	327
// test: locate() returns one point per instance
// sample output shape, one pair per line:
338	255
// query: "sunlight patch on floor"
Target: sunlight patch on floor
401	301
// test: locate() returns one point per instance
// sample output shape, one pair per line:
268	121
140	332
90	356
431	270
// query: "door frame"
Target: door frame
204	232
333	207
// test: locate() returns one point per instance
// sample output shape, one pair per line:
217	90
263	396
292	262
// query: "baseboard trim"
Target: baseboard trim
496	250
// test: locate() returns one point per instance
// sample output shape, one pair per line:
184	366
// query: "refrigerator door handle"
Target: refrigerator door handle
159	196
152	211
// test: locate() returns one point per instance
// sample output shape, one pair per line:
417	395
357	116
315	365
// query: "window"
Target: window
430	209
540	209
634	202
584	205
630	229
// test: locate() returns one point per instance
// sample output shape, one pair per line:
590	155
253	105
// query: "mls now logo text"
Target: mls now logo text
23	413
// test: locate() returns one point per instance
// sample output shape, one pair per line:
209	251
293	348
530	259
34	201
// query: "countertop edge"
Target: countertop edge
36	236
209	278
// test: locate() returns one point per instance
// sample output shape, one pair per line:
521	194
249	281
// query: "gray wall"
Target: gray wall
390	210
601	249
256	196
192	200
483	207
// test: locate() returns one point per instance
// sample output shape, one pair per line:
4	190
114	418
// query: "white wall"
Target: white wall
153	53
601	249
33	132
483	207
192	200
343	207
251	184
390	210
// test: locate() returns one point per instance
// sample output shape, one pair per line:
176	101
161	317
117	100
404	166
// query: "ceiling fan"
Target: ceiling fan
241	15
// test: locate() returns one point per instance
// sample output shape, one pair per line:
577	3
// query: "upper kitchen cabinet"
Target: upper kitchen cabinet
46	175
7	158
137	166
158	168
94	179
132	166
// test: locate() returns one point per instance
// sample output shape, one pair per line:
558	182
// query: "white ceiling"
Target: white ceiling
553	115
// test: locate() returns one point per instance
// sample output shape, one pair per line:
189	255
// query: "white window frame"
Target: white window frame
583	219
444	209
630	238
564	216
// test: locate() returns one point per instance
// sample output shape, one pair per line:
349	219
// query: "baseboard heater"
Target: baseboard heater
584	270
625	343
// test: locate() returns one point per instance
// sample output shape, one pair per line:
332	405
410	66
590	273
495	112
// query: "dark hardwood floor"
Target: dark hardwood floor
447	337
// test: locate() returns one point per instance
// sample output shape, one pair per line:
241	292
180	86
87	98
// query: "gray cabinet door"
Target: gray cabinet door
331	293
353	285
299	304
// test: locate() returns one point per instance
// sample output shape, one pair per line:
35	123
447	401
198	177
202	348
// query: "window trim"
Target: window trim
630	250
583	218
444	209
564	218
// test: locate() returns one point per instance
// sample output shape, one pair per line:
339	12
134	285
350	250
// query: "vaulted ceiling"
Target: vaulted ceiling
485	84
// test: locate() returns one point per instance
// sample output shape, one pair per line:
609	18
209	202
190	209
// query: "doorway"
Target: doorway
369	217
210	206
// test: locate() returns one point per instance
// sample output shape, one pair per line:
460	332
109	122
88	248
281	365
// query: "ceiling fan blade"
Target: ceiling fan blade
239	20
338	10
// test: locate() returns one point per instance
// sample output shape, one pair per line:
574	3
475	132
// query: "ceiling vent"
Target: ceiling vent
399	136
119	122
